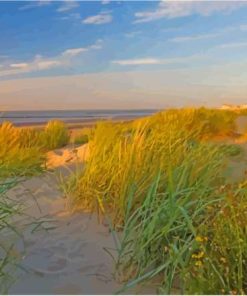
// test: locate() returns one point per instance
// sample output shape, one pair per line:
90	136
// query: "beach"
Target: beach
62	252
80	204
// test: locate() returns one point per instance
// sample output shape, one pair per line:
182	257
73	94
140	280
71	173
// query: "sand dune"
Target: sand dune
62	253
65	156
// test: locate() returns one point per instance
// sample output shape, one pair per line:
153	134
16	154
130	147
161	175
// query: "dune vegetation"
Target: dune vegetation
83	136
8	257
22	150
162	182
22	154
55	135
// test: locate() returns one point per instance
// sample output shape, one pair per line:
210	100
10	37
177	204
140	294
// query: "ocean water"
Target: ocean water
70	116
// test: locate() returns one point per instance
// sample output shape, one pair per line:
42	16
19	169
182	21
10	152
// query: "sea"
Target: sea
23	118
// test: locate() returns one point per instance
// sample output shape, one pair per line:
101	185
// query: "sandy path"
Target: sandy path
65	253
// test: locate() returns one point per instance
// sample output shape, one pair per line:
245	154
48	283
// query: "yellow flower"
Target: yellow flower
199	239
198	263
198	256
201	254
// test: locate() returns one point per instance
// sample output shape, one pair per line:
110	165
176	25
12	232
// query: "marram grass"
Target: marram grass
20	153
55	135
162	183
22	150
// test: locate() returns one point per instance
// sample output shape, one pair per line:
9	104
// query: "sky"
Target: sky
122	54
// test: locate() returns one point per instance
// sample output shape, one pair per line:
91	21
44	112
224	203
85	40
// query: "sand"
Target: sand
62	253
67	156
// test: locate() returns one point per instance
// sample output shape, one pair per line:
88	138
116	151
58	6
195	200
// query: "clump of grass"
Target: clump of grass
156	178
133	155
8	256
218	263
158	237
55	135
20	153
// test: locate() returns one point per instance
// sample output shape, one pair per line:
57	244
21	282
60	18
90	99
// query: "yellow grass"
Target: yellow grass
161	180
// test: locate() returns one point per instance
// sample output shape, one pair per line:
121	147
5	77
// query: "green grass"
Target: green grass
231	149
157	179
20	151
9	257
55	135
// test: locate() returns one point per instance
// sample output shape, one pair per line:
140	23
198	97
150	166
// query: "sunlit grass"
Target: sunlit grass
157	178
20	152
82	136
55	135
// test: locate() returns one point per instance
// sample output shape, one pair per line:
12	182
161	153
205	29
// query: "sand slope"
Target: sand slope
67	156
64	253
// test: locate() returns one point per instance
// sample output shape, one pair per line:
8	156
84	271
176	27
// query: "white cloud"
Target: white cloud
40	63
155	61
68	5
44	65
74	51
71	52
232	45
193	38
19	65
173	9
222	31
34	4
105	2
99	19
135	62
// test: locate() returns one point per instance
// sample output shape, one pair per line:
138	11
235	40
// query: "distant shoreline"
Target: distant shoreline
71	118
74	124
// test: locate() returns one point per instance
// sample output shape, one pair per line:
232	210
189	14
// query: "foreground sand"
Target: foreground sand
62	253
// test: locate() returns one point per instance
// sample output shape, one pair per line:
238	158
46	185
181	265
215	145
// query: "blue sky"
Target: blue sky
122	54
